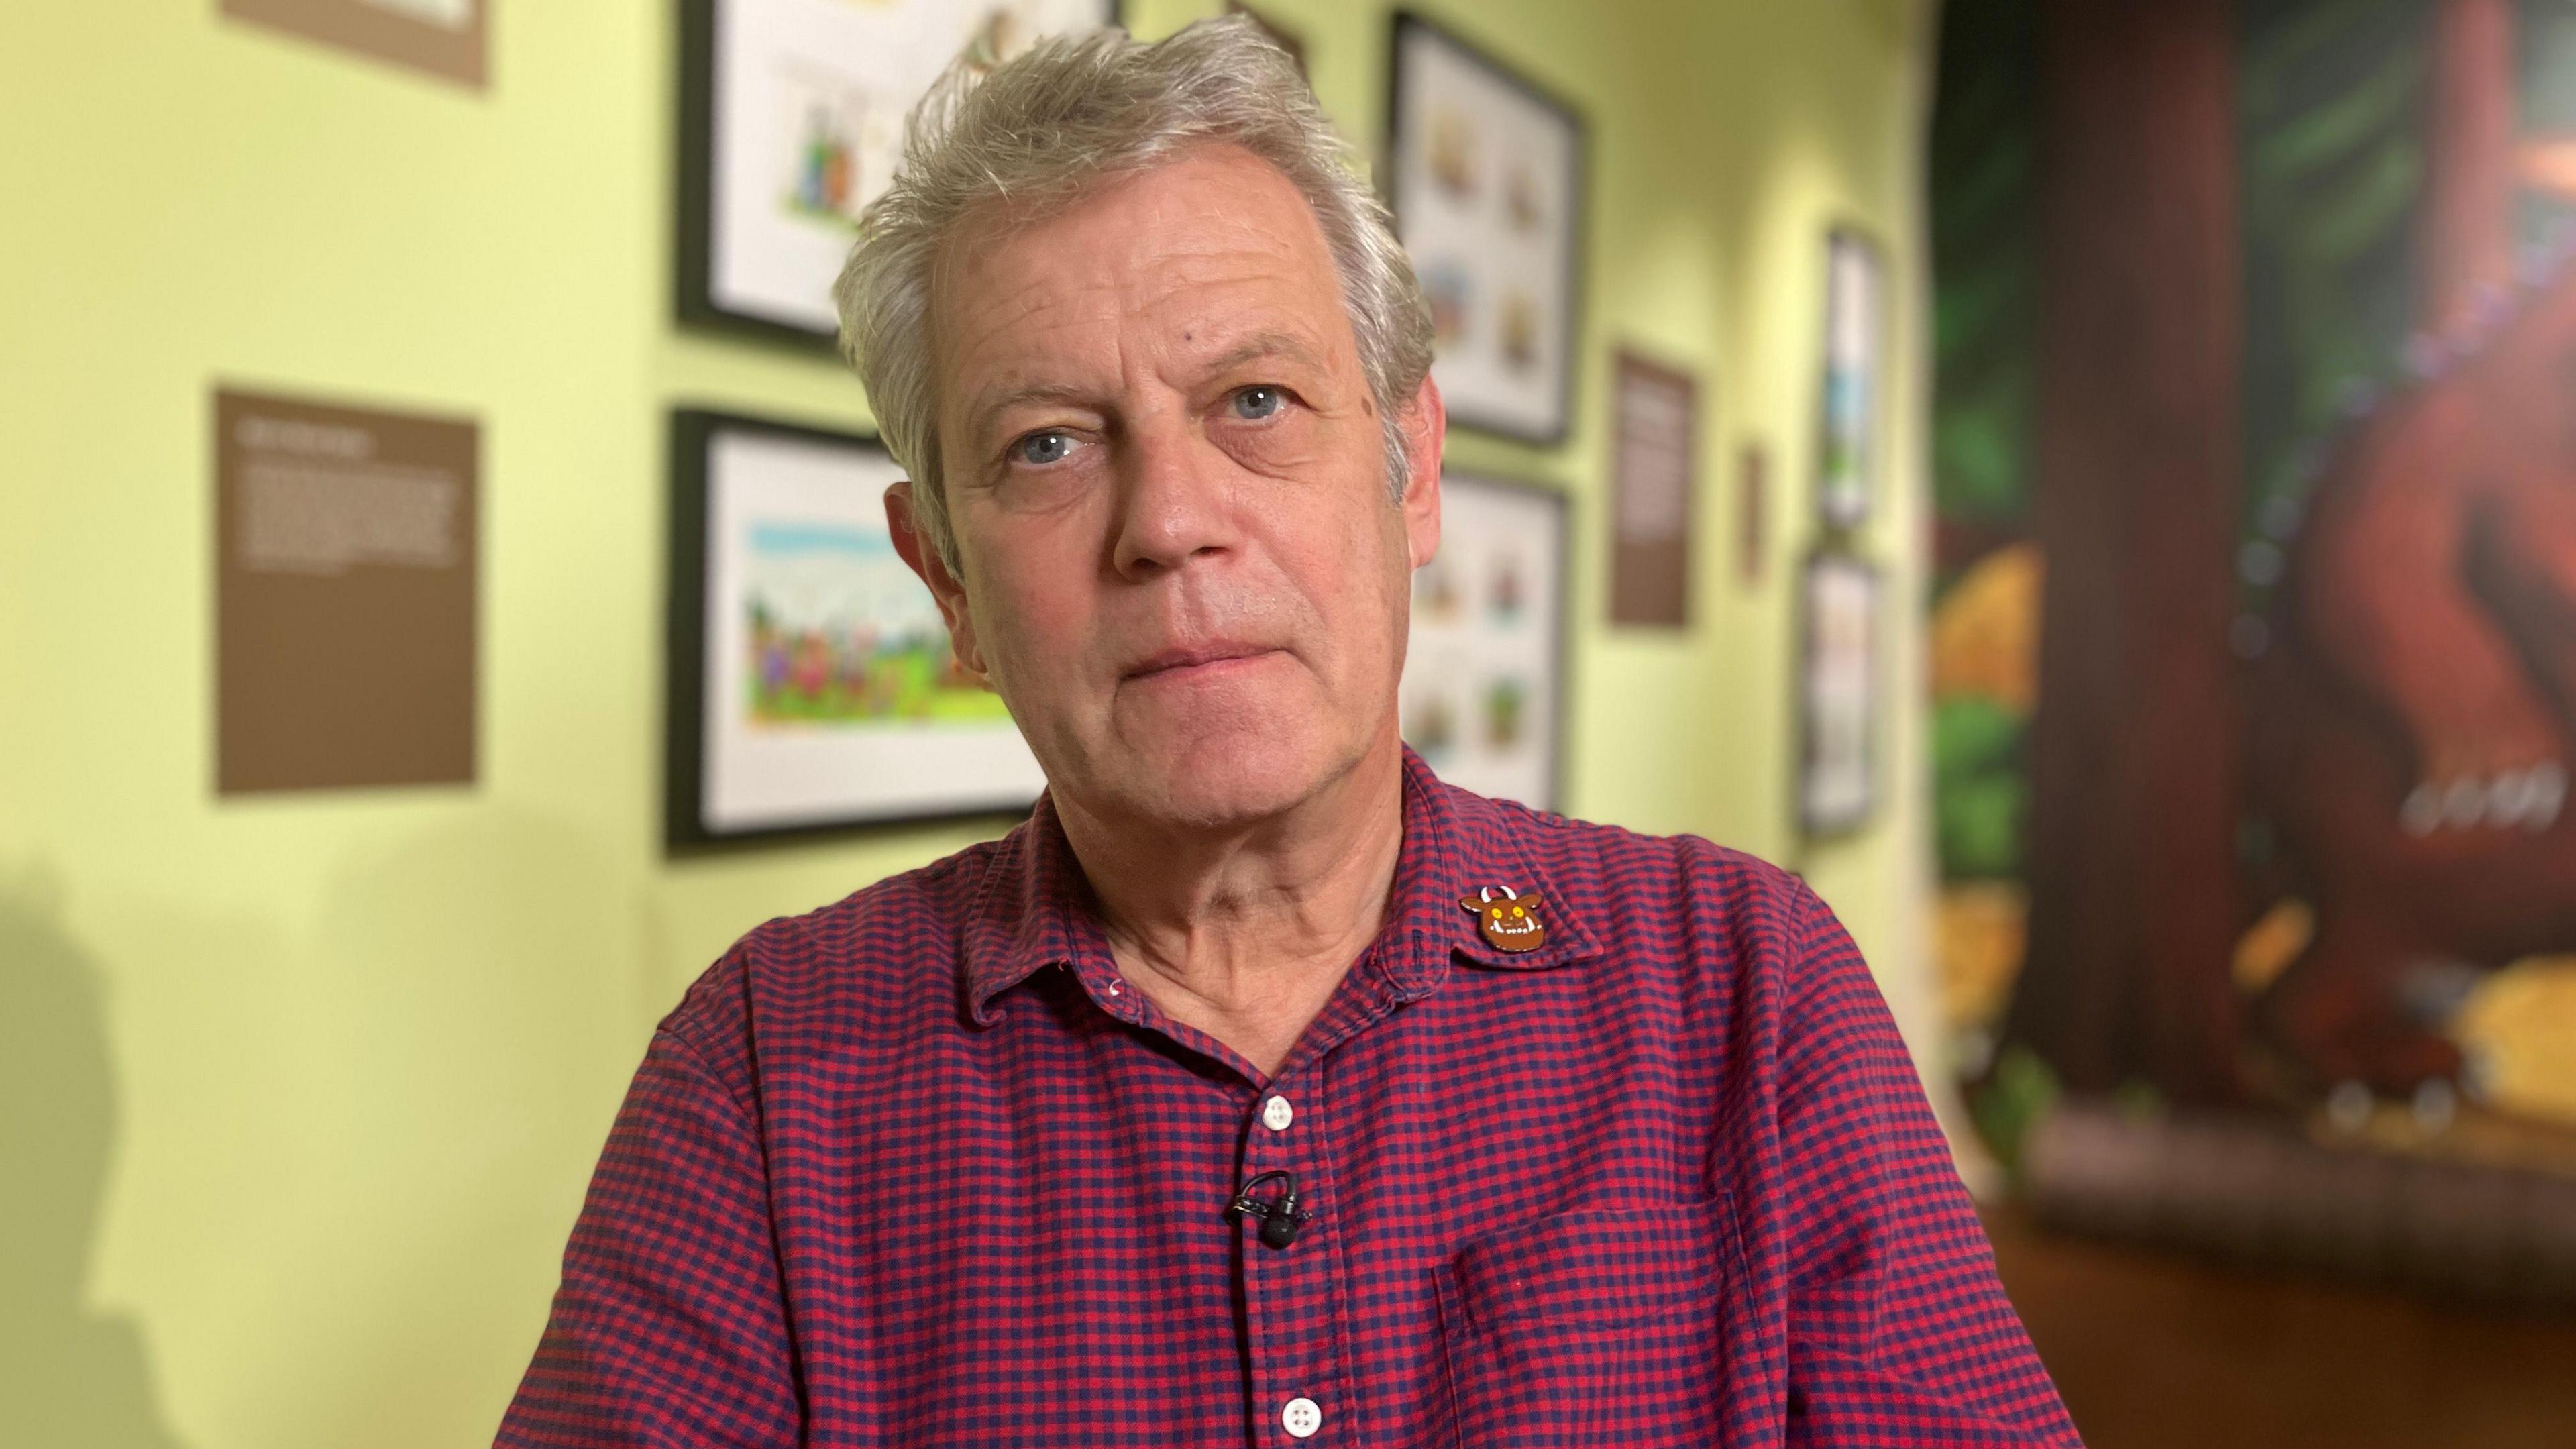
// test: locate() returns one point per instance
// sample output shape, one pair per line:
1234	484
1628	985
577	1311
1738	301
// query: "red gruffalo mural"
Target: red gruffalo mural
2415	716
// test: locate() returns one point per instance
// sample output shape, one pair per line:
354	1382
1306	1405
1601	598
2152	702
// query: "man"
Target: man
1260	1088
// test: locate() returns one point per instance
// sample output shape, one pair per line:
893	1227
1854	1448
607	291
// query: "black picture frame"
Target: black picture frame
1819	747
687	828
1847	493
1465	410
1558	622
695	303
693	296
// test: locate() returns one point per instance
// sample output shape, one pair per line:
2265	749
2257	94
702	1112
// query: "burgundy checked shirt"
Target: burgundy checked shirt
920	1169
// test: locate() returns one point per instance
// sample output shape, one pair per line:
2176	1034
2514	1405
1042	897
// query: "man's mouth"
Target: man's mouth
1197	660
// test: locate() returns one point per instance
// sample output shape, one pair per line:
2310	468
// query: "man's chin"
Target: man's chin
1230	778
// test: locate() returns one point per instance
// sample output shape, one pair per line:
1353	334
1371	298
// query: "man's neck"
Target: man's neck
1253	922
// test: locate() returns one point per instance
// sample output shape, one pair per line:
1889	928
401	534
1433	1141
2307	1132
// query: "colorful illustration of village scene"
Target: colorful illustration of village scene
841	634
856	674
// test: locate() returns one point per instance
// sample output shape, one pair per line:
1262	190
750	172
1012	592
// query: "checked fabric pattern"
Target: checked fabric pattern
919	1169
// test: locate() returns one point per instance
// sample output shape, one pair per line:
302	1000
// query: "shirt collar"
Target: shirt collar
1035	909
1026	916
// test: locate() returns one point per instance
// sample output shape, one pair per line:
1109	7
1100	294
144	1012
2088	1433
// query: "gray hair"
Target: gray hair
1040	129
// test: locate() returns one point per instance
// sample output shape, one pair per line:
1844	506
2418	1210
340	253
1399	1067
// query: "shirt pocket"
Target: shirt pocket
1597	1326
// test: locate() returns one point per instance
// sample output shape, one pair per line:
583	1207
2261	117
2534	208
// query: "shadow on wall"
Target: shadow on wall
67	1375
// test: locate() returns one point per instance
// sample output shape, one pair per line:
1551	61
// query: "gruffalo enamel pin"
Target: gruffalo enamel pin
1508	918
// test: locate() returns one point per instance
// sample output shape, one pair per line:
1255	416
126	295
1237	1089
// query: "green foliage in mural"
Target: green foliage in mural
1984	173
1977	788
1984	179
2013	1098
2331	124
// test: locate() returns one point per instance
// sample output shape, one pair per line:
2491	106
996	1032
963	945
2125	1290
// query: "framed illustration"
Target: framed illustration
1838	688
791	121
1855	344
811	683
1486	178
1482	699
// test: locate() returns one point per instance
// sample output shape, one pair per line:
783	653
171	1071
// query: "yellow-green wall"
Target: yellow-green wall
302	1091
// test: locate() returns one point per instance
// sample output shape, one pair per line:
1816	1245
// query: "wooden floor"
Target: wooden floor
2157	1352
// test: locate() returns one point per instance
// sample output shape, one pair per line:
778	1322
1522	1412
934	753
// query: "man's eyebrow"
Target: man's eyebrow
1260	345
994	402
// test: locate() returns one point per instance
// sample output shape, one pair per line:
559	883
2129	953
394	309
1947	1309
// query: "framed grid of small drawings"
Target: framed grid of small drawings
1486	173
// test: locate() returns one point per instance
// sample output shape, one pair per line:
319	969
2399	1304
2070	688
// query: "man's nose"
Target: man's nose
1173	504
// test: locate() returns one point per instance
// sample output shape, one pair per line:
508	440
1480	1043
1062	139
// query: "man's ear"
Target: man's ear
913	543
1425	421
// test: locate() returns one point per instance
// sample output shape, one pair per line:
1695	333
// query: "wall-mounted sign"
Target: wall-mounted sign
1654	474
345	547
445	38
1752	517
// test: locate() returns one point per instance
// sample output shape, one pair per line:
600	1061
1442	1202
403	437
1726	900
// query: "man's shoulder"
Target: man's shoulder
914	914
868	952
1685	919
1630	881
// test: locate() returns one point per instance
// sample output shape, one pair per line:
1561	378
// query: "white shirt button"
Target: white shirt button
1276	1114
1301	1417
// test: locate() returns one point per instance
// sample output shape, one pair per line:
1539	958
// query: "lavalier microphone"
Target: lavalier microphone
1281	1217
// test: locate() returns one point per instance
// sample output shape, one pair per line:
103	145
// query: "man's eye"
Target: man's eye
1042	448
1258	402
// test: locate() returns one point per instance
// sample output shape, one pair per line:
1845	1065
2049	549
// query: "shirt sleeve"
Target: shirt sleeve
1899	1331
669	1327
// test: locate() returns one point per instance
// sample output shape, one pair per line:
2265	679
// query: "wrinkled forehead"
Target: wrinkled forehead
1193	252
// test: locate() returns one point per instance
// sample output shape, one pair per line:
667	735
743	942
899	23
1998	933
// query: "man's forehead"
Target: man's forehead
1076	356
1209	197
1210	257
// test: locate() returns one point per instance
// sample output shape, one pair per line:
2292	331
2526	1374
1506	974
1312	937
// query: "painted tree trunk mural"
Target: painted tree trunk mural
2466	253
2134	745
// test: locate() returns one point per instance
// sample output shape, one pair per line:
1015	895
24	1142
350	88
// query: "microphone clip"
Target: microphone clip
1280	1218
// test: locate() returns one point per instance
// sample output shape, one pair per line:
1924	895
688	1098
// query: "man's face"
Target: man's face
1167	482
